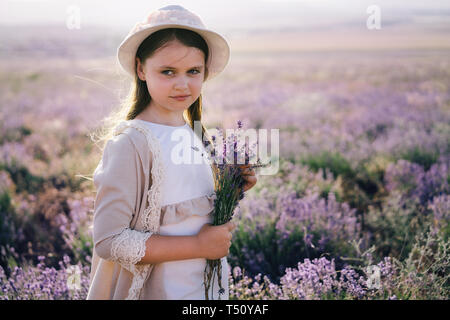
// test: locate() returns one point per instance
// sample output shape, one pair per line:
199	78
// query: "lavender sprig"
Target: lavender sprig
229	190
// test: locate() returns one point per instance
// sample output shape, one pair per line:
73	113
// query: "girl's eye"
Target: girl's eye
163	72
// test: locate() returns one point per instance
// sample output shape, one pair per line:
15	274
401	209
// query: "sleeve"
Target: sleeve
115	179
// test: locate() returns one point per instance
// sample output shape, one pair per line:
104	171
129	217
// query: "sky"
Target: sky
230	14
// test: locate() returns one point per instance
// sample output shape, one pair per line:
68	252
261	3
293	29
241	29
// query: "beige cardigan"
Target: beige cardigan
127	211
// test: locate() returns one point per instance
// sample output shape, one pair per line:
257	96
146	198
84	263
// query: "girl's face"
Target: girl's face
173	70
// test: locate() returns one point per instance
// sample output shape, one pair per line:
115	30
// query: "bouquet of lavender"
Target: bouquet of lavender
229	190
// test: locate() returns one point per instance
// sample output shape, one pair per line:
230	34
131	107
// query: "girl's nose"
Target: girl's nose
182	82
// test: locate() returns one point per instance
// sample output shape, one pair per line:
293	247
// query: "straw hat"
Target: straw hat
174	16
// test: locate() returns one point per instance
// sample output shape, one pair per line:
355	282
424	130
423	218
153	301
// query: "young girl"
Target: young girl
152	227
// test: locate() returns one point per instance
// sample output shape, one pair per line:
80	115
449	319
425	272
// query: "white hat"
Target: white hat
174	16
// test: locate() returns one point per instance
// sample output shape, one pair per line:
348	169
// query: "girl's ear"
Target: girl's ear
139	69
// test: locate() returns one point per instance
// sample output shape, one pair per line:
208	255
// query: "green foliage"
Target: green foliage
275	252
22	178
358	187
298	177
334	161
425	274
7	230
82	246
394	225
15	134
419	156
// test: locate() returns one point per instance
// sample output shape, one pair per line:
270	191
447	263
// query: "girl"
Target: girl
152	227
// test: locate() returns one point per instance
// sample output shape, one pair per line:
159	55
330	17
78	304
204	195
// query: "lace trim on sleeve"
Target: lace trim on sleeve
128	247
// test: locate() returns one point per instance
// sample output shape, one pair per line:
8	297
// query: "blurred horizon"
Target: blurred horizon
34	26
306	15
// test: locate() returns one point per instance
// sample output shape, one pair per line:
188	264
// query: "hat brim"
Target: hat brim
219	51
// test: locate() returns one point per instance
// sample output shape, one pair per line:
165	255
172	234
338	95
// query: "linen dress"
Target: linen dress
186	190
187	199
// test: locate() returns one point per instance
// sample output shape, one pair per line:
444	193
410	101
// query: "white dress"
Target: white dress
185	208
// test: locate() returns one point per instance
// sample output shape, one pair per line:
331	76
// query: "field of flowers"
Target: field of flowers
359	209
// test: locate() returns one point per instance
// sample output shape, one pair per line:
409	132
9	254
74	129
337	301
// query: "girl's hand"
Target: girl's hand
249	176
214	241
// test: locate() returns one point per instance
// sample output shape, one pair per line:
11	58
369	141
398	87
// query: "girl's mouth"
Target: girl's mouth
180	98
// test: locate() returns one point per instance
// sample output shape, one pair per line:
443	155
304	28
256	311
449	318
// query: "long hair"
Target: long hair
139	98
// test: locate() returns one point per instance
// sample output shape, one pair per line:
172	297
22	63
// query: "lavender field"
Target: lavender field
359	208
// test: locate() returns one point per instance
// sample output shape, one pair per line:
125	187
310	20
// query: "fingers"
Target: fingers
248	172
250	181
231	226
